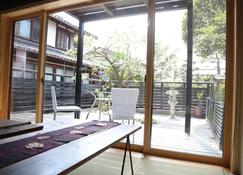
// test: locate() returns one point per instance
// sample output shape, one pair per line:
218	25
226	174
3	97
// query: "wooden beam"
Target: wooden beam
79	66
50	6
41	68
140	9
189	67
149	76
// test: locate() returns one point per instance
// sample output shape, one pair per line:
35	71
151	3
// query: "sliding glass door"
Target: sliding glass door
24	69
181	98
189	85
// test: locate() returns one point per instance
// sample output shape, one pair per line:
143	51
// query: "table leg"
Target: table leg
109	108
128	146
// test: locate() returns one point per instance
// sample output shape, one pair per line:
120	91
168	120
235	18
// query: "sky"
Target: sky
168	29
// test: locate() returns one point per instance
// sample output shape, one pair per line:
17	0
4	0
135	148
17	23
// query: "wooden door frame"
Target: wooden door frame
7	68
230	95
6	22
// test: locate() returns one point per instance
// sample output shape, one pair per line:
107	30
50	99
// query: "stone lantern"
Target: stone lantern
172	102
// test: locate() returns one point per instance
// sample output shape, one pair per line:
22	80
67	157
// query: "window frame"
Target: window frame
67	33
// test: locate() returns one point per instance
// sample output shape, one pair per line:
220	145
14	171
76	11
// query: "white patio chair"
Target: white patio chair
61	108
124	101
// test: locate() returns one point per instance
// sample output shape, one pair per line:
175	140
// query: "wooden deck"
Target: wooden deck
167	134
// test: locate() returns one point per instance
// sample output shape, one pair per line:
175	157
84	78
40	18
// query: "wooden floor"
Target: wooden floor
109	163
167	133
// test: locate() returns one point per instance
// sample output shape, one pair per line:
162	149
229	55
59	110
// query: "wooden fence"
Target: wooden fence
24	91
215	116
160	98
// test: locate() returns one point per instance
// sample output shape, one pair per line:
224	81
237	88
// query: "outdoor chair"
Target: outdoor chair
124	102
56	108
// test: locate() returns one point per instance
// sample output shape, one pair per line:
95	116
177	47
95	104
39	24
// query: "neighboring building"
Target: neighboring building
59	67
60	38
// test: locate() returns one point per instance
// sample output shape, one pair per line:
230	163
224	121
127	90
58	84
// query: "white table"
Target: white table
99	100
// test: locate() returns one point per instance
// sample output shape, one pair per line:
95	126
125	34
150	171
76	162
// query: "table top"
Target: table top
65	158
10	128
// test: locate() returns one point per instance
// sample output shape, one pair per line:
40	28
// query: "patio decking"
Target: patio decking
167	134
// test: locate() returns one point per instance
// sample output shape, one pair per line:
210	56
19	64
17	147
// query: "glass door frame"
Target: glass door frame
40	64
225	160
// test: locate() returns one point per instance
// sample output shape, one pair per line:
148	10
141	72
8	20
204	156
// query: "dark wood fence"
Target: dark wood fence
24	91
215	116
160	98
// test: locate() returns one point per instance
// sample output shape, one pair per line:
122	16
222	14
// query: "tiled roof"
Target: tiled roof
64	21
33	47
27	45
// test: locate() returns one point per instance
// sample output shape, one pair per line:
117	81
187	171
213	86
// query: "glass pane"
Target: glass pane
115	57
24	28
60	67
24	69
35	31
171	82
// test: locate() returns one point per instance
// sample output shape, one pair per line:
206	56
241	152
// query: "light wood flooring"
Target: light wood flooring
110	162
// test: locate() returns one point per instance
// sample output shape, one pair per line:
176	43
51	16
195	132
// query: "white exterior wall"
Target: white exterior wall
51	33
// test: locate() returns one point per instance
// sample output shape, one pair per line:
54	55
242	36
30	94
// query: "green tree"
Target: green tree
209	28
119	68
166	65
115	57
89	42
122	57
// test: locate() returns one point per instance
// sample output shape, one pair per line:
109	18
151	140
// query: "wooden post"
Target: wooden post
184	96
189	68
41	68
79	66
5	62
233	142
149	76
